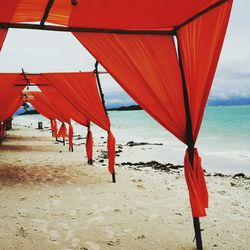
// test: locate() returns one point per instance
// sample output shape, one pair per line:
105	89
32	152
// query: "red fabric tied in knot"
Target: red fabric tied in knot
1	131
62	131
71	132
55	128
111	152
89	146
53	125
197	187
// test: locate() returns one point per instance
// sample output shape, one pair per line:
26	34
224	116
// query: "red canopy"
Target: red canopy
134	41
110	14
10	95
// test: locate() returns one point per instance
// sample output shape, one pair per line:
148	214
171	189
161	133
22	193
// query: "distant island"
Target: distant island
125	108
30	112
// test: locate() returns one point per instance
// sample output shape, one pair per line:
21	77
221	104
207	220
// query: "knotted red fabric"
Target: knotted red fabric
1	131
53	127
62	131
196	184
111	152
89	146
71	132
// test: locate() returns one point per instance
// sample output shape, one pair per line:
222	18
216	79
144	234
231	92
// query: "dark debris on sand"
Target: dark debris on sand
154	164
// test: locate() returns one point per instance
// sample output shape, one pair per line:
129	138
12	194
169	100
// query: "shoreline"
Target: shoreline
232	158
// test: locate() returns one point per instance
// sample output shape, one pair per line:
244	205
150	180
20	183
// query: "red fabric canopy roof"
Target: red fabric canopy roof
111	14
41	103
80	90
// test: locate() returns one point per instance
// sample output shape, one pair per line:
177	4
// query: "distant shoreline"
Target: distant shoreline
126	108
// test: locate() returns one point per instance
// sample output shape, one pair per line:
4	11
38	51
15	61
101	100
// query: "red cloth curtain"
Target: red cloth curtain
71	133
111	152
81	91
53	126
62	131
12	108
9	94
89	146
41	103
147	68
200	45
3	34
196	185
61	104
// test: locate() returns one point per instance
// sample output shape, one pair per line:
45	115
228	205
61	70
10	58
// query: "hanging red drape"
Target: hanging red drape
62	131
147	68
196	185
111	152
41	103
3	34
61	105
200	45
12	108
80	89
9	94
71	132
54	128
89	146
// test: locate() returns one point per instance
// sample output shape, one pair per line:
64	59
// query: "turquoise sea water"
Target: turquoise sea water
223	142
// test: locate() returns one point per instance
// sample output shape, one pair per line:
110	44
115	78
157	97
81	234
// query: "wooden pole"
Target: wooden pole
103	103
190	143
46	12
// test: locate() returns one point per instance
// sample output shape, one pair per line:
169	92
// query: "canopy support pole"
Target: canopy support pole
100	86
46	12
190	143
103	102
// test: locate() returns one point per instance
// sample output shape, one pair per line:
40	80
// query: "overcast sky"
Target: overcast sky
44	51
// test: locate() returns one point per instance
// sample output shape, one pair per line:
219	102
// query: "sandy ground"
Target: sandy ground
50	199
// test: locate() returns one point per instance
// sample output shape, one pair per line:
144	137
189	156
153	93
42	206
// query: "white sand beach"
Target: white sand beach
51	199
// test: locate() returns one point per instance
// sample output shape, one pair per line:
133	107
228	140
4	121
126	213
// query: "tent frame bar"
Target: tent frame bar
4	25
31	85
201	13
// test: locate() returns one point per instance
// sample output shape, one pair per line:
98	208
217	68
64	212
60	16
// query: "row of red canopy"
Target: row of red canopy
63	97
147	66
